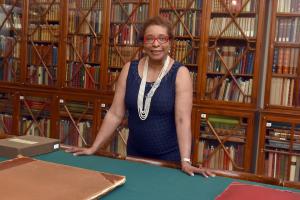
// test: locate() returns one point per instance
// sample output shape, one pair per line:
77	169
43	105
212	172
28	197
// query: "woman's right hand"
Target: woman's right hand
76	151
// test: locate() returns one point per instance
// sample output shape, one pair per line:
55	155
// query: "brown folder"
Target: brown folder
27	178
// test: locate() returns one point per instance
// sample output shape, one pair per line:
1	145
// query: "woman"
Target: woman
157	93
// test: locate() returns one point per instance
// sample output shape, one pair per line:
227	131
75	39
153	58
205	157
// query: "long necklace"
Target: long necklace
143	110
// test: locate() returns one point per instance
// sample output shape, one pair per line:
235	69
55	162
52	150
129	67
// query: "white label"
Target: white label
61	101
268	124
21	97
56	146
102	105
203	116
22	141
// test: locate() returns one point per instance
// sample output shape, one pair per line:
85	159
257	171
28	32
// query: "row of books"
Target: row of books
85	22
112	79
70	136
287	29
194	75
42	55
42	75
9	69
277	166
283	134
229	90
9	47
221	122
282	91
214	157
184	51
120	55
248	25
47	33
288	5
233	5
38	128
13	22
281	144
83	48
285	60
128	12
181	4
6	123
35	103
222	129
124	34
86	4
235	58
82	75
77	108
188	23
119	142
53	12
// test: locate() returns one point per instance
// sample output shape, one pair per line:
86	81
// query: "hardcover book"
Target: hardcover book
27	145
28	178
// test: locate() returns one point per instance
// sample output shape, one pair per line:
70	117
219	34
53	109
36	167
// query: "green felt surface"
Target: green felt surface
145	181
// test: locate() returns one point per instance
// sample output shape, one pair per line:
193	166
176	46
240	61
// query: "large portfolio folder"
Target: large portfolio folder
28	178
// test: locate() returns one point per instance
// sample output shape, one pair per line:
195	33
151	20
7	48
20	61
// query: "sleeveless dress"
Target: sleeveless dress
156	136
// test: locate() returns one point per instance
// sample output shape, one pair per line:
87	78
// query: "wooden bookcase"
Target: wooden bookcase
279	146
231	54
66	62
282	83
223	139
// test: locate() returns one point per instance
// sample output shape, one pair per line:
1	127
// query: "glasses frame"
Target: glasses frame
157	39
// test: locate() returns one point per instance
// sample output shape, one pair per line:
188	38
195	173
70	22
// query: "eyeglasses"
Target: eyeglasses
161	39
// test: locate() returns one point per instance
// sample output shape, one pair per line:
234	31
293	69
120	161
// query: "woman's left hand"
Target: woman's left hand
191	170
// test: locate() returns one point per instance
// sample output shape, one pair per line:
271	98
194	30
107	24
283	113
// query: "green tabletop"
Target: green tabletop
145	181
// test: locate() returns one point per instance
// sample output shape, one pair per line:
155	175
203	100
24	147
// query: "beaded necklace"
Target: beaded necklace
143	110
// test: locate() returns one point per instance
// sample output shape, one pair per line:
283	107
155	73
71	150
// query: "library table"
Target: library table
147	181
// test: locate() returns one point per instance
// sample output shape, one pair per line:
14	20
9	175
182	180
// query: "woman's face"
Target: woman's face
156	42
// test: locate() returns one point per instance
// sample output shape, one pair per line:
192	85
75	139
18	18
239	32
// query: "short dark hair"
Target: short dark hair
160	21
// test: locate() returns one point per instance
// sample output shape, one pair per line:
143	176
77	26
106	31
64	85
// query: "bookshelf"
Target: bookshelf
84	39
279	152
126	20
282	84
231	53
35	115
73	51
43	32
78	120
11	37
186	20
6	115
223	140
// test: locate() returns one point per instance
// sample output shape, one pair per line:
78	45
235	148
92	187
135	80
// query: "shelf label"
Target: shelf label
103	105
61	101
268	124
21	97
203	116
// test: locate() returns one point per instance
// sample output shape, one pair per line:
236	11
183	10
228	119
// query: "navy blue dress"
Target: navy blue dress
156	136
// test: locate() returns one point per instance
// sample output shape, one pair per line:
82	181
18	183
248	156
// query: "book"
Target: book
245	191
27	145
28	178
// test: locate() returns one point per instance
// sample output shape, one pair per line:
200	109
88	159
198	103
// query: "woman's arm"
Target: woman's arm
112	119
183	111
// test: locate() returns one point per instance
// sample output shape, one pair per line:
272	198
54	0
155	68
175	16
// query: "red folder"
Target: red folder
237	191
